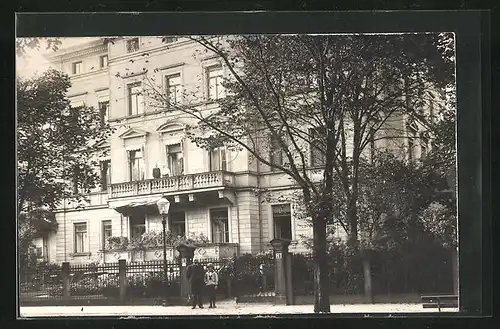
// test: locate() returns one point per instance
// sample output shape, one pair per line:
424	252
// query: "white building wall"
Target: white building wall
250	222
65	249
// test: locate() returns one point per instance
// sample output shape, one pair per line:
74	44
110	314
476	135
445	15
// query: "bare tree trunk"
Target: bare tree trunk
352	220
367	273
321	277
321	282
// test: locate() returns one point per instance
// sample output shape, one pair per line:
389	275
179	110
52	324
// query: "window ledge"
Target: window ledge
80	254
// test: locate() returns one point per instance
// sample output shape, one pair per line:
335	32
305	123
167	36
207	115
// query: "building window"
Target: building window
137	226
81	180
135	99
105	174
77	67
276	152
39	252
132	45
174	93
136	165
76	180
278	155
214	82
372	145
282	219
219	221
81	238
424	145
103	112
317	149
103	61
177	223
412	135
218	158
107	232
175	160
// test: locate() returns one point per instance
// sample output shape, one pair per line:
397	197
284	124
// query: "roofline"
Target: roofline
73	50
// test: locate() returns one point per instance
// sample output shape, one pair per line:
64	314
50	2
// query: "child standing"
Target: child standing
211	282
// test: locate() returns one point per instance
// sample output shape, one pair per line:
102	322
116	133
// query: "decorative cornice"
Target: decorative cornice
170	126
209	57
75	52
78	94
132	132
150	51
134	74
89	74
171	66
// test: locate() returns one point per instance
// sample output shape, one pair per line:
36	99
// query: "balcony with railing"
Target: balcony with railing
172	184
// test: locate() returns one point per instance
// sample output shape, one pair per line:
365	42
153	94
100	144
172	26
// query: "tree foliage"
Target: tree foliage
323	94
56	144
23	44
56	147
329	93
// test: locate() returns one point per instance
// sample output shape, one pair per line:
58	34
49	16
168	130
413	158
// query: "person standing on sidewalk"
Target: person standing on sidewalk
211	282
196	274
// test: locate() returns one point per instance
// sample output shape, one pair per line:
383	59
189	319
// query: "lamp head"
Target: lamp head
163	206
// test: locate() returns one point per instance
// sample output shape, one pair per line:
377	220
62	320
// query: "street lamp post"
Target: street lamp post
163	208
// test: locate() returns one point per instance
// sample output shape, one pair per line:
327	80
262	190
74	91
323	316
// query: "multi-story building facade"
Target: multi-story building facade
212	193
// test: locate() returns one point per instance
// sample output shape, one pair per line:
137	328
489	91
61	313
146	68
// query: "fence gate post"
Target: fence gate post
122	277
66	280
290	300
280	247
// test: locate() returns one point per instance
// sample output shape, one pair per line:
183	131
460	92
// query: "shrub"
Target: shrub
55	290
87	285
154	239
245	272
117	243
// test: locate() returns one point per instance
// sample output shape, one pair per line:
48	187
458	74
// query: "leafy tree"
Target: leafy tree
23	44
316	102
56	149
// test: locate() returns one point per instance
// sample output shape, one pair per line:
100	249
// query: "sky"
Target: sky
34	62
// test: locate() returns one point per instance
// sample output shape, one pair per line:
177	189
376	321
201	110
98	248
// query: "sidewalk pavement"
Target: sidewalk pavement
223	308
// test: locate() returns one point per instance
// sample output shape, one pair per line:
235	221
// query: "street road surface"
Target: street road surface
223	308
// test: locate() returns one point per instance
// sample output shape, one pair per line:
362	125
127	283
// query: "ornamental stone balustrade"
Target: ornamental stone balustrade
172	184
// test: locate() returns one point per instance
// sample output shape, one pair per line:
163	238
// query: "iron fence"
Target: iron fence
148	279
42	282
92	281
303	274
392	272
221	267
252	276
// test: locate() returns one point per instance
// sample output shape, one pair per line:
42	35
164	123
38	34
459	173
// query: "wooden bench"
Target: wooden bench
440	301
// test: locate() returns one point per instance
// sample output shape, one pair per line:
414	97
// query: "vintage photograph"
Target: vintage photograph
187	175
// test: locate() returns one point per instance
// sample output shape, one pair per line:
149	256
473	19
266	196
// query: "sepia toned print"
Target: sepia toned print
243	174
